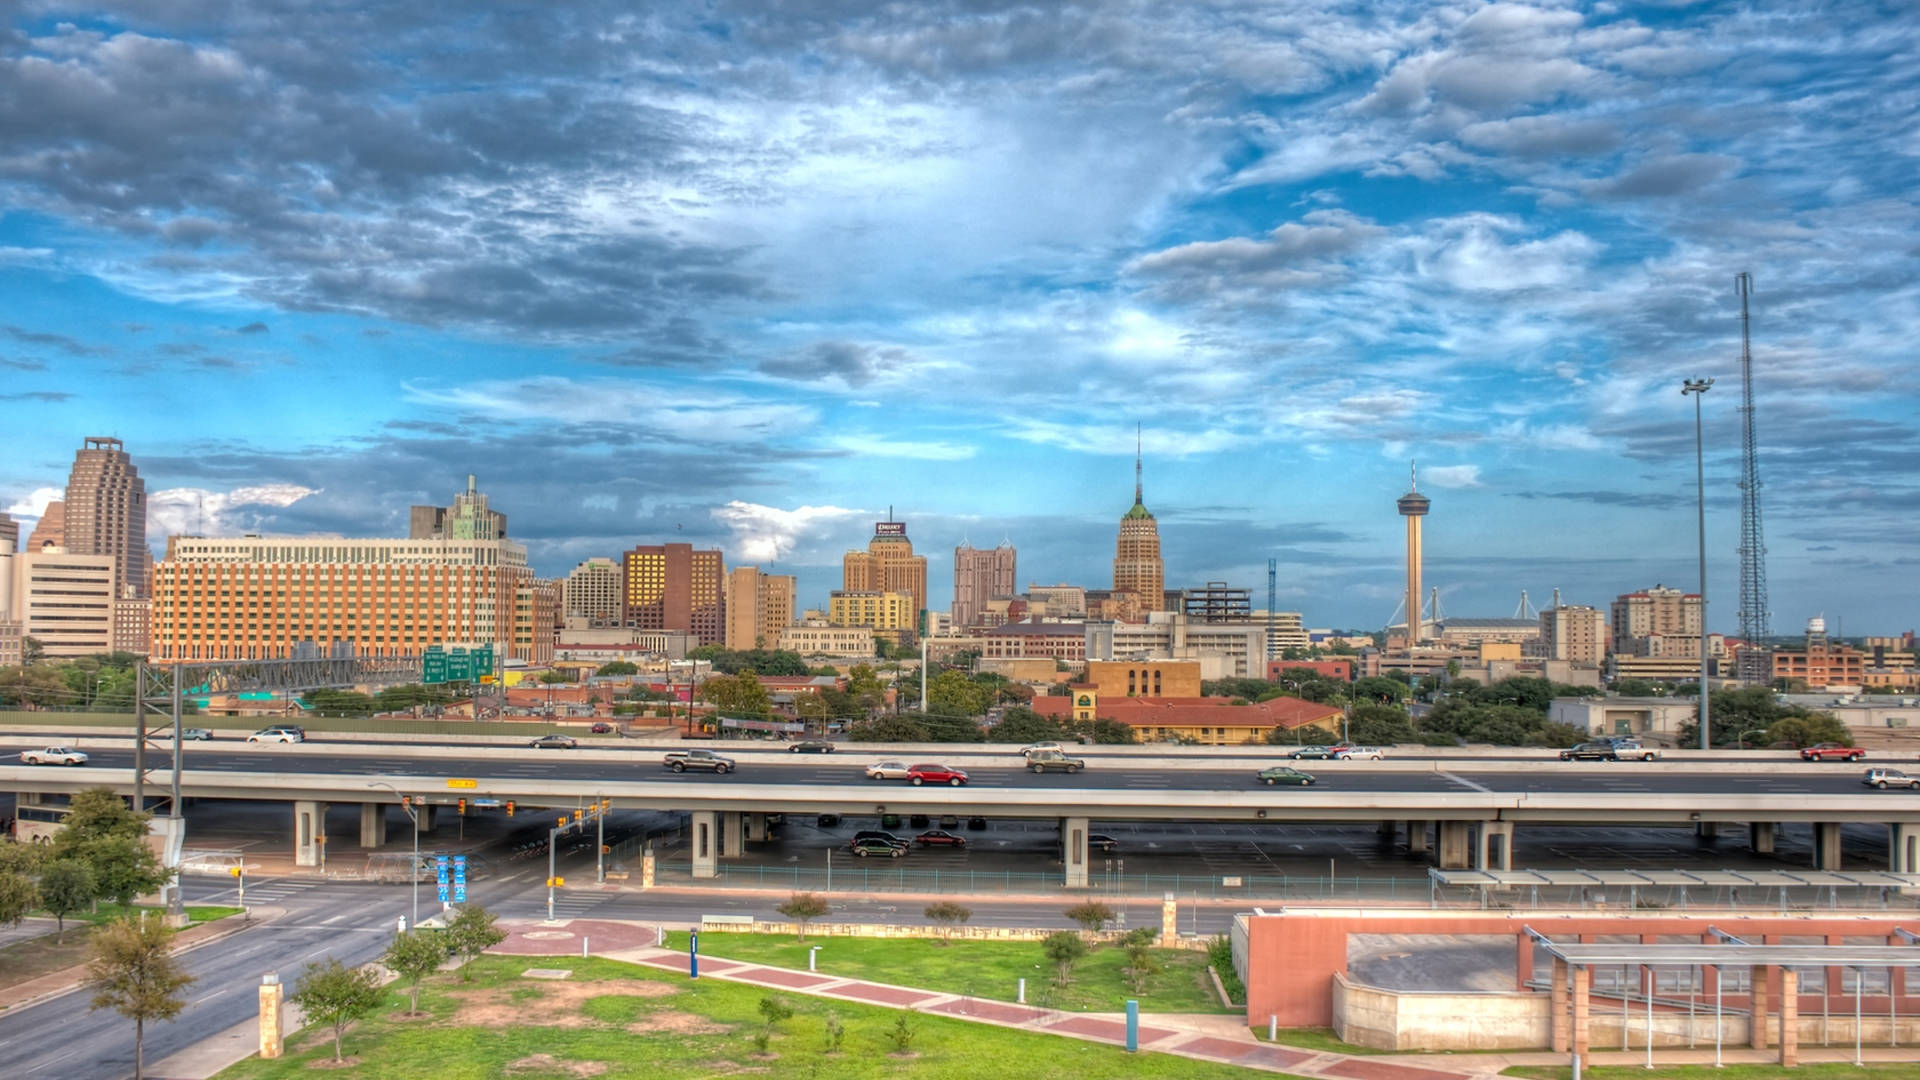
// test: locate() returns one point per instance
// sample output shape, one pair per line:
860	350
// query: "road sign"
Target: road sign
463	783
443	893
433	666
556	882
459	879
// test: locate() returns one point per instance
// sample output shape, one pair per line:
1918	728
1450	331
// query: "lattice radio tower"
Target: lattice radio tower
1756	661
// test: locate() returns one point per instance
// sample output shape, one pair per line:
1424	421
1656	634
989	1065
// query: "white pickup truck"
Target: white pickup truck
53	755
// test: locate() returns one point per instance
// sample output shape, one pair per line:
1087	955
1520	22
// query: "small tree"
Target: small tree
17	897
835	1032
132	970
471	933
947	914
66	886
1063	947
413	956
774	1009
803	908
1091	915
902	1033
1141	963
336	996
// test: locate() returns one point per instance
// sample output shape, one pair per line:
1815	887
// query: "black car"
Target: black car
1102	843
811	746
882	837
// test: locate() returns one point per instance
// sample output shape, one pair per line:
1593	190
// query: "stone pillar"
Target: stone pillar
646	868
1708	831
1522	961
732	832
1582	1009
1169	921
1073	850
309	825
1561	1026
273	1020
1494	851
1789	1017
1760	837
373	824
705	843
756	827
1456	846
1826	845
1757	984
423	817
1417	838
1903	848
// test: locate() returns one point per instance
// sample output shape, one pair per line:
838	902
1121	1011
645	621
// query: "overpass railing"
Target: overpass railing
863	877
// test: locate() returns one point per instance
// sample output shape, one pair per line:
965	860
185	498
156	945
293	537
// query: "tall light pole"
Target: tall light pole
1697	389
923	676
413	871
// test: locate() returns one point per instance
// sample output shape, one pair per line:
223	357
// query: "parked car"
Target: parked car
1282	774
882	835
938	837
1886	778
887	770
53	755
1361	753
1320	753
1610	750
279	733
811	746
864	848
554	741
682	760
1831	751
602	728
934	773
1101	842
197	734
1053	761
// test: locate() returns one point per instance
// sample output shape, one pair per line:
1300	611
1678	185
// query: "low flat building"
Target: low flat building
1663	668
1204	721
833	641
1144	678
1339	670
1656	718
1066	641
1224	650
1472	631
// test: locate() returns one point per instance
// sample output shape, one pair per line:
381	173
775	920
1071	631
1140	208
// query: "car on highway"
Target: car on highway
554	741
1886	778
1831	751
940	837
887	770
196	734
1101	842
602	728
1361	753
881	834
811	746
1054	761
1283	774
1610	750
53	755
1039	747
279	733
864	848
934	773
1320	753
682	760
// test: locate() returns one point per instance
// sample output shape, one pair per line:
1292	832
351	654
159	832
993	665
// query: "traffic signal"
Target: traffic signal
606	805
406	801
576	815
463	808
509	807
563	821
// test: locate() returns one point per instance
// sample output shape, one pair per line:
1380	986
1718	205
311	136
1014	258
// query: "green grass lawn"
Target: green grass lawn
616	1021
1817	1071
986	969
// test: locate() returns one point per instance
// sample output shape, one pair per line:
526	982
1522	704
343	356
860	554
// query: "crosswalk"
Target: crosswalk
274	890
577	903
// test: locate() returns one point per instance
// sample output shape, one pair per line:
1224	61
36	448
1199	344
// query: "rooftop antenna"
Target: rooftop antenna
1138	491
1756	663
1273	600
1525	610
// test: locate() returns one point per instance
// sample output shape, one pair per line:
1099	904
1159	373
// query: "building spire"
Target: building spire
1415	474
1138	492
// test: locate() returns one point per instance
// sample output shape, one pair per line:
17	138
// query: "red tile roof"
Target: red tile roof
1284	712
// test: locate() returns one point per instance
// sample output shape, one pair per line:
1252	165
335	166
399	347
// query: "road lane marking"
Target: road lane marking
1464	782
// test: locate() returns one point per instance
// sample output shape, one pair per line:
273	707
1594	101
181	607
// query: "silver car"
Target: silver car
887	770
1360	753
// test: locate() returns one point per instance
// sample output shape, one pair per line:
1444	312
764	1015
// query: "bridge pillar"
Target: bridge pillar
1760	837
1169	921
756	827
1073	848
1903	848
373	824
1582	1010
1388	830
309	832
705	843
1708	831
1789	1017
1758	976
1826	845
423	817
1560	1023
1455	845
731	834
1493	849
1417	838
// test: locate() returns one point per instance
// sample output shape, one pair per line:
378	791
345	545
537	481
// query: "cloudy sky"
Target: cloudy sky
748	274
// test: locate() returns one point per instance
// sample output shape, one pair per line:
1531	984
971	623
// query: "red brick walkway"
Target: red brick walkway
1362	1069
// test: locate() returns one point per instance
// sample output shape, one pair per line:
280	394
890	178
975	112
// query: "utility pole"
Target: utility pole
1697	389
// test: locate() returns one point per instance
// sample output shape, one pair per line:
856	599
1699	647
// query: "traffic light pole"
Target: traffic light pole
553	843
600	849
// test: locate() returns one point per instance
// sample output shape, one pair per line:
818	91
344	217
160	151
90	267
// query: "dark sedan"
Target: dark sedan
811	746
938	837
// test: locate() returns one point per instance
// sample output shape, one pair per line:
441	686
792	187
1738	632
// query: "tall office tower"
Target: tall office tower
1573	632
63	601
888	565
1657	622
759	607
106	510
593	590
1413	506
50	530
468	518
675	587
9	534
979	575
1137	567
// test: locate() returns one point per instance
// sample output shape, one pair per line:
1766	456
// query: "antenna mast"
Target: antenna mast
1756	662
1138	491
1273	601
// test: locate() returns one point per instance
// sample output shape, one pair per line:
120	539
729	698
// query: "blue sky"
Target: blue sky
749	274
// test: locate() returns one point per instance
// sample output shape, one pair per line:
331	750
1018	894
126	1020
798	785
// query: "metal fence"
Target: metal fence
863	877
1780	900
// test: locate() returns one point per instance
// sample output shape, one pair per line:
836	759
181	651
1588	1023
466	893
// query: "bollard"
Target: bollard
810	957
583	945
1133	1025
1273	1027
693	954
1022	999
402	924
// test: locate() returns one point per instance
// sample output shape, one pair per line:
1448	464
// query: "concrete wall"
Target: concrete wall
1408	1020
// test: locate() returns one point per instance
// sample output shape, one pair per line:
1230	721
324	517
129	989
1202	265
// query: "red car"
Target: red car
1831	751
602	728
934	837
935	774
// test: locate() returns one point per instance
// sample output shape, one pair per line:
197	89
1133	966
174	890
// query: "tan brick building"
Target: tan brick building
888	565
1575	632
1144	678
759	607
592	591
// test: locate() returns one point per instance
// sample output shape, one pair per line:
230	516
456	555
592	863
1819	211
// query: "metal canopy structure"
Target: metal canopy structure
1765	879
1616	954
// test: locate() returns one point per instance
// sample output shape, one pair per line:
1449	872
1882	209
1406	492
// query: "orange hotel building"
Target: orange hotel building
248	598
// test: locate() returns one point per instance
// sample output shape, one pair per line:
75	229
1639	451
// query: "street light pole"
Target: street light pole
1697	389
413	870
923	676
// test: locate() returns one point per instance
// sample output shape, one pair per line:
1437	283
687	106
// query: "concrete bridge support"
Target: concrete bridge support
423	817
1826	845
1417	842
756	827
373	824
1073	849
704	842
732	834
1706	831
1493	848
1903	848
1456	847
1760	837
1388	830
309	832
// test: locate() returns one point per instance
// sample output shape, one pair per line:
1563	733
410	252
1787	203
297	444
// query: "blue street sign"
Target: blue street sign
440	874
443	894
460	891
440	861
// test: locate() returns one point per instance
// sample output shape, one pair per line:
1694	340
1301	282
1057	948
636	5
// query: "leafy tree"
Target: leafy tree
339	703
775	1009
861	679
335	995
888	729
470	933
1380	689
953	694
132	970
1020	724
947	914
1380	725
811	710
740	693
1063	947
66	886
803	908
31	650
17	897
1304	683
836	1031
951	729
1741	711
413	956
1141	963
33	686
102	832
1801	731
1105	730
1639	688
618	667
22	859
553	678
902	1033
1091	915
1235	688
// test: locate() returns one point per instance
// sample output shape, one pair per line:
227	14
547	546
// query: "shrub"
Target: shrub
803	908
902	1033
1091	915
836	1031
947	914
1063	948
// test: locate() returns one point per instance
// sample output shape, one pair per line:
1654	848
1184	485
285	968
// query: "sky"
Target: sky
747	275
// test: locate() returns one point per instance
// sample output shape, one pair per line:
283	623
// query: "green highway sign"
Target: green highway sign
460	665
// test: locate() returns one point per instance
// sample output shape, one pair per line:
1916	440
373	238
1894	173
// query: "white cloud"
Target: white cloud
215	513
1451	476
868	444
766	534
35	503
690	415
1548	436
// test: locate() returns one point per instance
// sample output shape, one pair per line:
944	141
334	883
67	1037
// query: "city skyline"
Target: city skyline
745	281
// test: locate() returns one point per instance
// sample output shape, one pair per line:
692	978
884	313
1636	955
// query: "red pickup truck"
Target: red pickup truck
1831	751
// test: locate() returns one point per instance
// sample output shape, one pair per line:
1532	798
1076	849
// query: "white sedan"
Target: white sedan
53	755
1360	753
887	770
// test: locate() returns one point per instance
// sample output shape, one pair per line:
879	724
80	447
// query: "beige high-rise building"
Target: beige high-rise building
9	534
1657	622
65	602
1137	566
593	590
1414	506
888	565
980	575
50	530
675	587
878	610
1573	632
106	510
759	607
